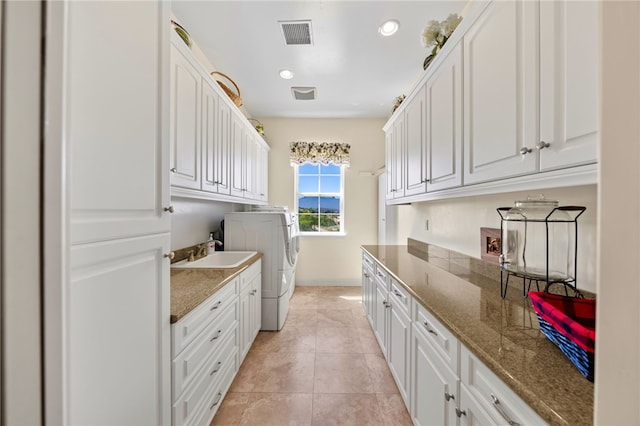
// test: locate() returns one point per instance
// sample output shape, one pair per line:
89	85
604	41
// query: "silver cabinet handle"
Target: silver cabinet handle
217	401
398	294
216	336
429	329
503	413
253	293
170	255
449	396
366	275
524	150
216	369
542	145
173	170
460	412
169	209
216	306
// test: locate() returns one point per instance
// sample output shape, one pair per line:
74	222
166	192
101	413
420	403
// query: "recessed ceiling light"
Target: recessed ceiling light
286	74
389	27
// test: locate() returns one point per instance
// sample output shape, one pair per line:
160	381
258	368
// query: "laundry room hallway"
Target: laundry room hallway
323	368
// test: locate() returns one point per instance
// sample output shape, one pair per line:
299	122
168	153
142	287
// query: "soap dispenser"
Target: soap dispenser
211	245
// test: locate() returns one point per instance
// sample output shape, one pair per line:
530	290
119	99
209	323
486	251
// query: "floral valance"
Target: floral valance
319	153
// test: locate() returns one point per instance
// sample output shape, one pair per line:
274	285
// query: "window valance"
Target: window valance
319	153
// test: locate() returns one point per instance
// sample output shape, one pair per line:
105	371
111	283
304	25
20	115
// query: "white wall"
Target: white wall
618	318
335	259
455	224
193	219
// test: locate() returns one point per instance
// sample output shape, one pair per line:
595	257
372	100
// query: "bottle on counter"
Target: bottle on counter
211	245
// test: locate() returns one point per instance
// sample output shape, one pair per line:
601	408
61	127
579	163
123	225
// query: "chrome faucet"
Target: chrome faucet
202	250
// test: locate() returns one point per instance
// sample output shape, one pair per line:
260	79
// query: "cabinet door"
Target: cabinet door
569	80
390	164
118	333
500	92
215	141
471	412
245	323
262	173
256	307
416	158
117	165
185	122
380	321
444	123
399	349
433	382
398	157
237	156
250	161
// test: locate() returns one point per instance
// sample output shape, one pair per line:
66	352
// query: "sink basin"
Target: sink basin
217	260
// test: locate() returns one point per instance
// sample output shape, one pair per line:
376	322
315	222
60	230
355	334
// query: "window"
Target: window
319	198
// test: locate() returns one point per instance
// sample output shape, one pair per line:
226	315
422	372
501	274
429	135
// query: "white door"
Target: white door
380	318
399	348
398	157
237	156
185	122
444	123
569	80
500	92
390	164
250	157
262	172
223	148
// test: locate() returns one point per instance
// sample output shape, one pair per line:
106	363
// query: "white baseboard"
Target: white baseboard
329	283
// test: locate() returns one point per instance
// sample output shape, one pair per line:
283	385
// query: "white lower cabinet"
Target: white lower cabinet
209	344
439	379
250	307
492	394
368	287
434	387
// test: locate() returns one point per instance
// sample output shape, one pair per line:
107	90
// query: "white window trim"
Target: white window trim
297	194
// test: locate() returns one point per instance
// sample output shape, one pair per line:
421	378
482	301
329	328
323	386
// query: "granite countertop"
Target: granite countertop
191	287
464	294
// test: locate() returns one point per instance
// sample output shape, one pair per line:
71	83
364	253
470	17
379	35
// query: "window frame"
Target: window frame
298	194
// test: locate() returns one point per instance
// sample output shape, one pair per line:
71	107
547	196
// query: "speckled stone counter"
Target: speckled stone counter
190	287
464	294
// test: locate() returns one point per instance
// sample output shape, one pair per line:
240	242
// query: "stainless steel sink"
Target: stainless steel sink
217	260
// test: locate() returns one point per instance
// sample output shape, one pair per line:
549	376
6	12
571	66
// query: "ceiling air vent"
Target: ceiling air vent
304	93
296	33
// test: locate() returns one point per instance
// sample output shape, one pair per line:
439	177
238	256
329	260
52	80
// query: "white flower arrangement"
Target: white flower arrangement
437	33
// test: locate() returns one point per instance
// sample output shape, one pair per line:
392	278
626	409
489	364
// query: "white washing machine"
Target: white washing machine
273	231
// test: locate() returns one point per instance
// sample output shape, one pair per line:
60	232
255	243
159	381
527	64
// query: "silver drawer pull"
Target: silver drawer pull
397	293
217	401
380	275
215	370
216	336
216	306
449	396
429	329
460	412
503	413
366	275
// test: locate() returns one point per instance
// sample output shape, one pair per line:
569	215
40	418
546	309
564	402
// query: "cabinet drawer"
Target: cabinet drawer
185	331
493	394
214	378
250	273
399	296
186	366
368	261
445	343
214	397
382	277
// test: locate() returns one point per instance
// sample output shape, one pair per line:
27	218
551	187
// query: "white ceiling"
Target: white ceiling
357	72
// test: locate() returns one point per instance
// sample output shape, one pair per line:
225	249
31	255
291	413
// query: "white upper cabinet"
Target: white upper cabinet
569	75
395	146
116	126
500	92
214	148
444	123
415	172
185	122
215	141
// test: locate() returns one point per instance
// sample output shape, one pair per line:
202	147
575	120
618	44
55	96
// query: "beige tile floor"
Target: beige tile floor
323	368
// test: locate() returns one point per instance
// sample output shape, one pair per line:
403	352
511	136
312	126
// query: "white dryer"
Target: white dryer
273	232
